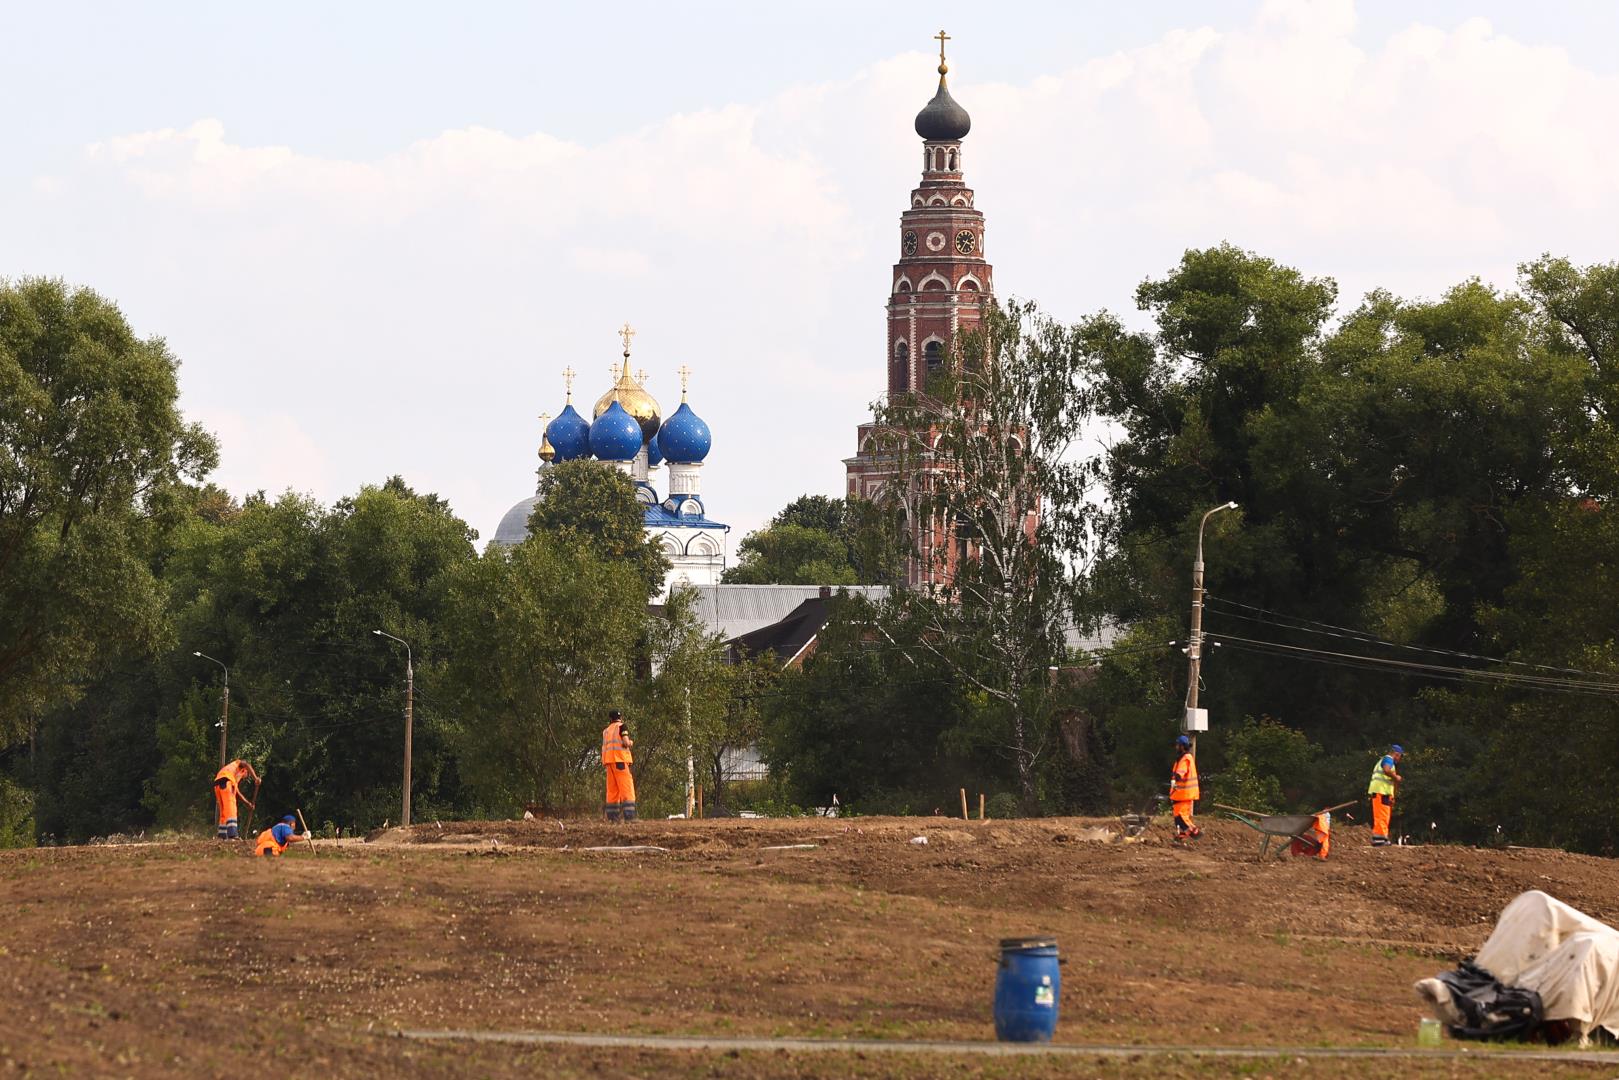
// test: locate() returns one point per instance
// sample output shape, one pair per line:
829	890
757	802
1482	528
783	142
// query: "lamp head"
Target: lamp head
1230	506
196	654
376	631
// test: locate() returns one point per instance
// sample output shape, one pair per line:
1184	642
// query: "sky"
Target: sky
376	233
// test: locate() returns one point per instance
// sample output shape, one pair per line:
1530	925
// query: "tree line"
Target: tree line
1421	553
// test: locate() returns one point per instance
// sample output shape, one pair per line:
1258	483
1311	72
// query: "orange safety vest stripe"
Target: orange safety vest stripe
1184	786
615	745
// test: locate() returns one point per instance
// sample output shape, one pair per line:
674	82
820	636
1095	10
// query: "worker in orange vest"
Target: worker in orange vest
274	840
616	759
227	789
1183	790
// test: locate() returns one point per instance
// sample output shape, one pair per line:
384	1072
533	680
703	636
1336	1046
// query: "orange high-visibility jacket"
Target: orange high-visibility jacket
616	745
1183	787
233	772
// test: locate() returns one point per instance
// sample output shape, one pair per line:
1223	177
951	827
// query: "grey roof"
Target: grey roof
733	610
513	527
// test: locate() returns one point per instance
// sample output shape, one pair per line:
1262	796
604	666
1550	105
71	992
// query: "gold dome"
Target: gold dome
632	396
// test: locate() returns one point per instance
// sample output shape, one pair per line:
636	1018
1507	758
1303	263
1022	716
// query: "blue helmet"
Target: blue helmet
1396	749
1183	741
290	820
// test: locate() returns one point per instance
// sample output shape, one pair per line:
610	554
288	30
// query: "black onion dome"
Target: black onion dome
942	119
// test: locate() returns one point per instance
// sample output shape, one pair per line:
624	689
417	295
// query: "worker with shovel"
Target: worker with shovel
616	759
1385	782
1183	790
227	789
275	839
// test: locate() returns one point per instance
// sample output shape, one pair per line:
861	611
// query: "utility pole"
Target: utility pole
224	708
1194	651
410	700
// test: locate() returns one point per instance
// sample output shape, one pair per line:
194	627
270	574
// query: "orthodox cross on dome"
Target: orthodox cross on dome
685	373
626	332
641	376
942	37
567	377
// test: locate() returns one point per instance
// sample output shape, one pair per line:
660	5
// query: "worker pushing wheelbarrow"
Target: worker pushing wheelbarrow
1306	834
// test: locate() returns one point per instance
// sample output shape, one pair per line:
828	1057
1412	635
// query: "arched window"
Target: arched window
933	355
902	366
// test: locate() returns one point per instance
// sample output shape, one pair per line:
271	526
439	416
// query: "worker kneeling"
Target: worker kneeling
274	840
1317	840
616	759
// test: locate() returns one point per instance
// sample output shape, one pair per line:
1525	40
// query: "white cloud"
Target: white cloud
345	319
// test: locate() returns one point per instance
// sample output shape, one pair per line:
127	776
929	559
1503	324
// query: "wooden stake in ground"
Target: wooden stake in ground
964	816
980	806
699	800
312	851
258	789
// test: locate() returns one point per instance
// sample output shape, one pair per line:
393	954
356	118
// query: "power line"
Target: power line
1333	630
1408	667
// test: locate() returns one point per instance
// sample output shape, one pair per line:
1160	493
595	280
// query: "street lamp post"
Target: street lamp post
1194	651
410	699
224	707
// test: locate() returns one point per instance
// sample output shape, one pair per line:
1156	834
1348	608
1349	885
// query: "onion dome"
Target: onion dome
942	120
568	434
654	456
684	437
615	435
628	392
548	452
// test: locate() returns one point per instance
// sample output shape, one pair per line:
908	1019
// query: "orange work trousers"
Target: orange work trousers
225	800
1183	818
1382	812
268	846
620	792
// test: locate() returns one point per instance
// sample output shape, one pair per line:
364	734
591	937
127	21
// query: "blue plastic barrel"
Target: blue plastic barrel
1027	988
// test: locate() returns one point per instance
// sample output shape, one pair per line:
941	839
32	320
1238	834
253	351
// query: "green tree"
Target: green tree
545	639
990	476
92	448
593	504
791	555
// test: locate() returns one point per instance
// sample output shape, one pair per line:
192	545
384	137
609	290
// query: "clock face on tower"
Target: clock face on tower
908	245
966	242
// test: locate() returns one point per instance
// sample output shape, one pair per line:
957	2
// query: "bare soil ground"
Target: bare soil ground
193	959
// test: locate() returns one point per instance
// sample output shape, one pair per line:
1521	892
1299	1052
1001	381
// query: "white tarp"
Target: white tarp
1570	959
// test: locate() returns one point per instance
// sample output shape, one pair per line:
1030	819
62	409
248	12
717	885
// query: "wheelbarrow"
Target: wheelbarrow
1284	827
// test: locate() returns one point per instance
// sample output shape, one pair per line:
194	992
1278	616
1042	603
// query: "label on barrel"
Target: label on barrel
1043	995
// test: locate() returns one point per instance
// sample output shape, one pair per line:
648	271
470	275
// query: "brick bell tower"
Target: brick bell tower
937	286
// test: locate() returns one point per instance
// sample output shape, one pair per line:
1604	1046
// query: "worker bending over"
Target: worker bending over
616	759
227	789
1385	782
275	839
1183	790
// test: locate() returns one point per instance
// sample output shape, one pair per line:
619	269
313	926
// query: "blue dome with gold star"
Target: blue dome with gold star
684	437
616	435
569	435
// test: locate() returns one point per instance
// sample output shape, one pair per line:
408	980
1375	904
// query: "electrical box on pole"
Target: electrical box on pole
1195	720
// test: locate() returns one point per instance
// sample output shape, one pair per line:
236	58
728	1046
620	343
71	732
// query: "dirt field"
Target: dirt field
191	959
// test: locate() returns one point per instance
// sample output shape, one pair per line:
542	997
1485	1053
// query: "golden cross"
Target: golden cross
567	376
640	376
626	333
685	373
942	38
